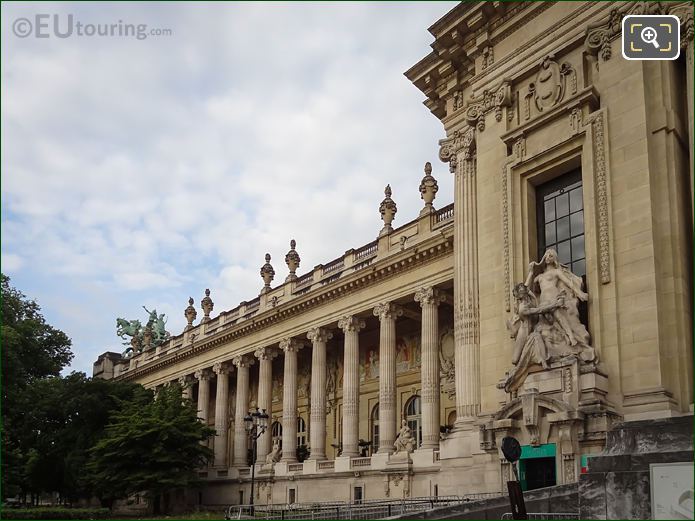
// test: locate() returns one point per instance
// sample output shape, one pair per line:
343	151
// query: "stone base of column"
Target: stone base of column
281	468
380	460
342	464
460	443
423	457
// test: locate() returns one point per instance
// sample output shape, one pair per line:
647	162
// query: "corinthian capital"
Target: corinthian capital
242	361
387	311
319	334
220	368
429	295
265	353
351	323
461	142
203	374
290	345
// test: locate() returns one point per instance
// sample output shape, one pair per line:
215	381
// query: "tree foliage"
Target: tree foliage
31	350
154	447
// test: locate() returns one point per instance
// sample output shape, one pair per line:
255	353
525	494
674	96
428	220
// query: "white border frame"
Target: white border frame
622	35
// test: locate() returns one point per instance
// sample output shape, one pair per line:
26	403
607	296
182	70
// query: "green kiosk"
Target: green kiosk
537	466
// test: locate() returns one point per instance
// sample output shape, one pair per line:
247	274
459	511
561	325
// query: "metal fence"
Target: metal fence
546	515
369	509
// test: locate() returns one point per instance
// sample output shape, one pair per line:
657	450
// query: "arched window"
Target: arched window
374	428
276	430
301	431
414	418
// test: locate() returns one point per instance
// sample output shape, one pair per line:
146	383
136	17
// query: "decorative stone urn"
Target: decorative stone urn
190	313
428	189
292	260
388	210
267	274
207	304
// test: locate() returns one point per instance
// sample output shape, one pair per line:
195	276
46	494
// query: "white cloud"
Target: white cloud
154	169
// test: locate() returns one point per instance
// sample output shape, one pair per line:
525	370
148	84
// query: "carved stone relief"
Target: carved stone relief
550	86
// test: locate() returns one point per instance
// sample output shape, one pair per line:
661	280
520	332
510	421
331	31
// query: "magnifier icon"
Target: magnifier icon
648	35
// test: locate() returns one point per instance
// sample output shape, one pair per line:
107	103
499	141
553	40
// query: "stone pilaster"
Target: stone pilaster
429	299
459	150
265	357
290	346
221	413
203	376
242	364
387	313
317	429
351	326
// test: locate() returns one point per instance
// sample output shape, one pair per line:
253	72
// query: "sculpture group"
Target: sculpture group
546	324
139	338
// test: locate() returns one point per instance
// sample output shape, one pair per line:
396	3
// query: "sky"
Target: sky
138	171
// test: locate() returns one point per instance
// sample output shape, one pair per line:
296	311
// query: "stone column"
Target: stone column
265	357
289	400
317	428
186	388
351	326
203	376
387	313
429	299
242	364
460	151
221	413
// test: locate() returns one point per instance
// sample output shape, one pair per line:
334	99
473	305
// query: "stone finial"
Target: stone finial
428	189
207	304
292	260
388	210
267	273
190	313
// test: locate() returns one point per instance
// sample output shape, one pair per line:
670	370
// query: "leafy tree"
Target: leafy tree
154	447
31	350
67	418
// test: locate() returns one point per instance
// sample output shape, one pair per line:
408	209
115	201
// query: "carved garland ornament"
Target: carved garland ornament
601	195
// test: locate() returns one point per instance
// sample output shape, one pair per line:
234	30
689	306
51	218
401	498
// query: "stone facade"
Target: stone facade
556	144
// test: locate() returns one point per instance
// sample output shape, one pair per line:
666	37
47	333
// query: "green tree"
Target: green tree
31	350
67	418
154	448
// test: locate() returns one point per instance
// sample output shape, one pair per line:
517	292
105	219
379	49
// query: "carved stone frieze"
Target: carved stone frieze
600	174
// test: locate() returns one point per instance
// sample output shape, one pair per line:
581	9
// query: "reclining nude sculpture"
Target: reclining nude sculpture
546	324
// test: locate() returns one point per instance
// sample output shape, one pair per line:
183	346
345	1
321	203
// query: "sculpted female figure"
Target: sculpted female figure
549	280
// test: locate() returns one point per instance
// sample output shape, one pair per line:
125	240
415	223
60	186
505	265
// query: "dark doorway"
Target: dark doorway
538	473
358	495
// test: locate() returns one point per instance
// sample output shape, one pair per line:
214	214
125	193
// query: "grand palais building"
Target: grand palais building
550	302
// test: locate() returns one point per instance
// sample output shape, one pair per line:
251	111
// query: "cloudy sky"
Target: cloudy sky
142	171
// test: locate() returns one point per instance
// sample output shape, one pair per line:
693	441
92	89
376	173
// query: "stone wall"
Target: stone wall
617	484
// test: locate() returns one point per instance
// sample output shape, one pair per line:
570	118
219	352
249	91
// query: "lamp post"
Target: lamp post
256	424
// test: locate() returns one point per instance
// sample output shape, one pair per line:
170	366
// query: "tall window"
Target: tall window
301	431
413	416
375	428
276	432
560	215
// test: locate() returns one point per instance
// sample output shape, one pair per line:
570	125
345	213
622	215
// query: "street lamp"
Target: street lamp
256	424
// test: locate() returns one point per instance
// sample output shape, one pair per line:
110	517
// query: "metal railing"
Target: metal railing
546	515
371	509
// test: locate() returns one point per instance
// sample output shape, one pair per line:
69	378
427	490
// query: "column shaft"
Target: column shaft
429	299
387	314
265	389
351	326
466	313
221	414
242	364
289	400
317	427
203	377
